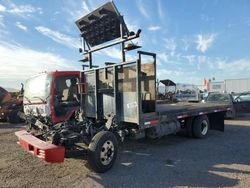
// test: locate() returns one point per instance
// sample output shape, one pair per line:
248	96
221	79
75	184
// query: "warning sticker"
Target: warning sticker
132	105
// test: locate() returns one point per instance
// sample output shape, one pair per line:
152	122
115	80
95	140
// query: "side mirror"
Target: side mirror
237	100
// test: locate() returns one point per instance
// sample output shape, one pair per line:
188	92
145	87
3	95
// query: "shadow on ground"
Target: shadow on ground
218	160
221	159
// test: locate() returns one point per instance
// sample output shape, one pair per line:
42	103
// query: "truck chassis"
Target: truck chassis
118	101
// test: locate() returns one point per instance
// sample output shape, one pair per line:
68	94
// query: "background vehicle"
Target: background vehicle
222	98
166	90
187	92
229	85
116	101
10	104
240	103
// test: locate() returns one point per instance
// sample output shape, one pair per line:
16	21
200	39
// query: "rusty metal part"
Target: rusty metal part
10	104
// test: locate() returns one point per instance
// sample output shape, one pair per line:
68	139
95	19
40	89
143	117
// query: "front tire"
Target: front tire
102	151
200	127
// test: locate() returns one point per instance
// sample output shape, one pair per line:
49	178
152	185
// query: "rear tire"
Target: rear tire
200	127
102	151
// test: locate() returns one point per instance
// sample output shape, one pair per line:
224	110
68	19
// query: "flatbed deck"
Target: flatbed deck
189	109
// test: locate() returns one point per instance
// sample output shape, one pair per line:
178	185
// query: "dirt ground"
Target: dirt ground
220	160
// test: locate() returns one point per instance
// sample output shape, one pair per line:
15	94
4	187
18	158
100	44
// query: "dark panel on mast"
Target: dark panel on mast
102	25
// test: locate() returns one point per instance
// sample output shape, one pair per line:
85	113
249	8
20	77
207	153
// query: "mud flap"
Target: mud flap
46	151
189	126
216	121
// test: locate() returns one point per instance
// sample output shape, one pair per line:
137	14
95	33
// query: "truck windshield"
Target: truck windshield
37	88
218	97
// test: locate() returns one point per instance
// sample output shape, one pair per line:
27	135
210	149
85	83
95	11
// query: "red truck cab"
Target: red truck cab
52	94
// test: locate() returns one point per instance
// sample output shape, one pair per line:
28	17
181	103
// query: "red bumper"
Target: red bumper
46	151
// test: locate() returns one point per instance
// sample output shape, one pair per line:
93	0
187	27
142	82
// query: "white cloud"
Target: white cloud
79	9
166	73
74	10
177	76
163	73
21	26
59	37
115	53
56	13
85	6
20	10
204	42
18	63
154	28
191	58
2	21
3	31
112	52
202	59
2	8
142	9
160	10
133	26
40	10
186	42
170	44
206	18
163	57
237	66
224	68
202	66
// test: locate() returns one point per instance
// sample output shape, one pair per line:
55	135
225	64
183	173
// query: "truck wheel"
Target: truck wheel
102	151
200	127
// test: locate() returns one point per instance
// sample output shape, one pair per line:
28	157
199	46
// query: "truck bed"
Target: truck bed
190	109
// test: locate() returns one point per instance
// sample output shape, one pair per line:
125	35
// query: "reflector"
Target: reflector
102	25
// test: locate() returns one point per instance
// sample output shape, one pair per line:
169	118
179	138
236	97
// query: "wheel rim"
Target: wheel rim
204	127
107	152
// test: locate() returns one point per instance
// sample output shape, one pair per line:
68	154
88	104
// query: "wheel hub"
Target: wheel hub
107	152
204	127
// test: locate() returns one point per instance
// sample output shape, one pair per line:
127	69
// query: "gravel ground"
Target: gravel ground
220	160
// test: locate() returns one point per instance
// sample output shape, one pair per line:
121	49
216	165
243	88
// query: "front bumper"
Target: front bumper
44	150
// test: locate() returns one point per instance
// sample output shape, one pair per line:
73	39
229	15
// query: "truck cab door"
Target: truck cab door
242	103
65	96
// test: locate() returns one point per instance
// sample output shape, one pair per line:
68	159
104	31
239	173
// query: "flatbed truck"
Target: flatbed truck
113	102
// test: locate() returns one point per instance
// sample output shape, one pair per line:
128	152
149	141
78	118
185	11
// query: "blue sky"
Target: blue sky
193	39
